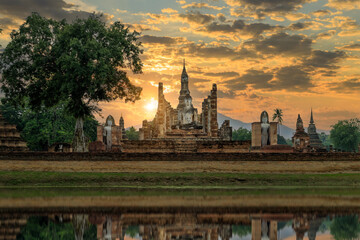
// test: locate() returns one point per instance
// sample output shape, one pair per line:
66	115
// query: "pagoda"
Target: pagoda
315	141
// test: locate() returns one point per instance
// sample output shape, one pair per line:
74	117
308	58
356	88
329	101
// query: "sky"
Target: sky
262	54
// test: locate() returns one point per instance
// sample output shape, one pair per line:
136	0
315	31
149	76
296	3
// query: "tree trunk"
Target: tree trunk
80	143
79	224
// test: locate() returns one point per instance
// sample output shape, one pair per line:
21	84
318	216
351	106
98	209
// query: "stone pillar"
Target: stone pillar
205	115
146	130
108	137
213	121
273	133
141	134
273	230
256	229
161	111
100	133
256	134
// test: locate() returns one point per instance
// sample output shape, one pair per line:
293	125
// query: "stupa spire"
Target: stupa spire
311	117
184	73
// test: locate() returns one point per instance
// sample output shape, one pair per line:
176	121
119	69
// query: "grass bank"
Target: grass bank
34	184
210	180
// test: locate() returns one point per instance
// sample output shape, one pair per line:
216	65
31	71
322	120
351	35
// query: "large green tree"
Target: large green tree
345	135
80	63
46	126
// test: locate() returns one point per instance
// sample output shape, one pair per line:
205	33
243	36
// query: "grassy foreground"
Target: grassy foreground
28	184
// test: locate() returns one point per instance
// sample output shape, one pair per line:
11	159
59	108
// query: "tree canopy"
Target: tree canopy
47	126
132	134
278	114
345	135
79	63
345	227
40	228
241	134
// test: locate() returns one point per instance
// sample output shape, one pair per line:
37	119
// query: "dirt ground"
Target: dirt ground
185	166
163	202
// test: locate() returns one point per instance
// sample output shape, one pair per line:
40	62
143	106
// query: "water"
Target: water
180	223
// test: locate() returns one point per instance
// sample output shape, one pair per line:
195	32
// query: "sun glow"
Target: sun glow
151	105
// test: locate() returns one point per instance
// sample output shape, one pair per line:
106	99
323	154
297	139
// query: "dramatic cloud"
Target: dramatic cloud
324	59
7	23
351	47
197	17
256	78
262	8
344	4
201	5
240	27
347	86
300	26
282	43
158	40
57	9
222	74
293	78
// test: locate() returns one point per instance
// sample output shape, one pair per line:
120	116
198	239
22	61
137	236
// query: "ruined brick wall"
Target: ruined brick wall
170	146
225	131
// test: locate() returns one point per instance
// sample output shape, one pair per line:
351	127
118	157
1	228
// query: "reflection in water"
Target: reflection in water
181	226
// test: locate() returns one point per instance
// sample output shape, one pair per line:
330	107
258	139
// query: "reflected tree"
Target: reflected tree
345	227
132	231
241	230
43	228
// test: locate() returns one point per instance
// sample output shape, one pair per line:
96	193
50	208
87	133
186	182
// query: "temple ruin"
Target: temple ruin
315	142
301	139
185	122
110	134
263	133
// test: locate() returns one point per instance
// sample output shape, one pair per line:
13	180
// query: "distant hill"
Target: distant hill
285	131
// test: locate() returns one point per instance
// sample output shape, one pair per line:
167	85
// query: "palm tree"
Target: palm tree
278	114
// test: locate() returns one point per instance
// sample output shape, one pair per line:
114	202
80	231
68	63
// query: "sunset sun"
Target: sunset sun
151	105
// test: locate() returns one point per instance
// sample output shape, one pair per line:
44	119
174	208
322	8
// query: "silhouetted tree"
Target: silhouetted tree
80	63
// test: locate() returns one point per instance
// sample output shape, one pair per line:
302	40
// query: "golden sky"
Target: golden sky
262	54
